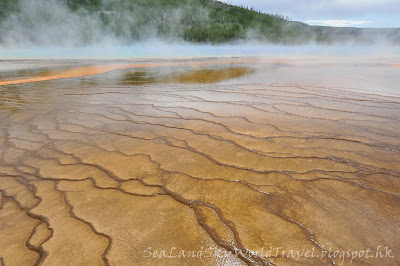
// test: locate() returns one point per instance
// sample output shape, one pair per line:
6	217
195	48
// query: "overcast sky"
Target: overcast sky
357	13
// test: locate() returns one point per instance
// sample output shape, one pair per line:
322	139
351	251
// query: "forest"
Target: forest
199	21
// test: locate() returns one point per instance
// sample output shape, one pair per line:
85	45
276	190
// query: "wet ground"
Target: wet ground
200	162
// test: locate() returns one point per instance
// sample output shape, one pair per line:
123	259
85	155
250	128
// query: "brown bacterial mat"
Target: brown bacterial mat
202	162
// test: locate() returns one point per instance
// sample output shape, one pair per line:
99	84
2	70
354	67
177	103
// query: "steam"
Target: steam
50	29
51	23
155	48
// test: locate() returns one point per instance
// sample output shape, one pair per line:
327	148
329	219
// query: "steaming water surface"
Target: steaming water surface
102	160
155	48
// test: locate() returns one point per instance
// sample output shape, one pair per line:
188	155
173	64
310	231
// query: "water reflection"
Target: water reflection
200	76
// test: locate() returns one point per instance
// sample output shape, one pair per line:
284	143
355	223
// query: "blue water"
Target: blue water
157	49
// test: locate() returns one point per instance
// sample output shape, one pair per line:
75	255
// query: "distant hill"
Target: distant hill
190	20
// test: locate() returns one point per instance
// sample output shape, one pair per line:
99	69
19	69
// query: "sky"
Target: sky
341	13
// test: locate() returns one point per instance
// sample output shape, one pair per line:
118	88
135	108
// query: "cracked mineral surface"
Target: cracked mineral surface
257	161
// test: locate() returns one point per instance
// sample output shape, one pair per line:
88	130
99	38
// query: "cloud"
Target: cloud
338	22
382	12
322	7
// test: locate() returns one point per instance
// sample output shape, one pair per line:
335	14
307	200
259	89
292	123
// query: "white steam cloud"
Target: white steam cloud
49	29
50	22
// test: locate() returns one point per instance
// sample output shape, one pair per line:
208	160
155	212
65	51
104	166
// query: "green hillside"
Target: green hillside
191	20
194	21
